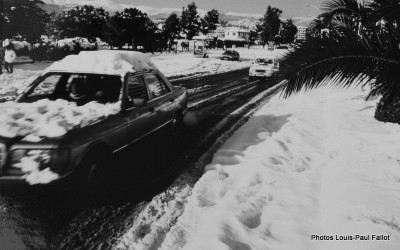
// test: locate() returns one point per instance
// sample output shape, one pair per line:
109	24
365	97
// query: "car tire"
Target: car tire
251	78
96	175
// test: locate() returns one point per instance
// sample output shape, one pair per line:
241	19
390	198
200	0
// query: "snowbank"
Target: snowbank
46	118
313	167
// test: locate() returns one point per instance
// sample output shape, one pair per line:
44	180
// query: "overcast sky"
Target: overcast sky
290	8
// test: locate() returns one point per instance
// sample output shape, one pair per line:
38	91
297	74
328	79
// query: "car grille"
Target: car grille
260	71
2	154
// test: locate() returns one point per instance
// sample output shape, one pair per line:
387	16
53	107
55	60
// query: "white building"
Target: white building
237	34
301	33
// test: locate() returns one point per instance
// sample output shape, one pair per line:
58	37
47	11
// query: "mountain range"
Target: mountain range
232	19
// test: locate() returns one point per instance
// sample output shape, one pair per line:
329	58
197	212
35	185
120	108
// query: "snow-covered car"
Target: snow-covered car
263	67
230	55
80	111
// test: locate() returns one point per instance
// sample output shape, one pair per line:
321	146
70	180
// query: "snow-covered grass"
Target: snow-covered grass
315	164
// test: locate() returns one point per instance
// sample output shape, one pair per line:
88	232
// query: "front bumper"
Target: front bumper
13	179
261	75
21	179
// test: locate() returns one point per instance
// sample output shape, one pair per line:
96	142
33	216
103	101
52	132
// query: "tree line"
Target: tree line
27	20
271	28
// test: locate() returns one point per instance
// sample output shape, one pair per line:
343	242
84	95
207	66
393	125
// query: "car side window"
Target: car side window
156	85
136	88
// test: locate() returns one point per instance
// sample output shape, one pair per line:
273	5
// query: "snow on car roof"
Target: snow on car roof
110	62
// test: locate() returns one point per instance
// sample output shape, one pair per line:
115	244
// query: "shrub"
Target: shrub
388	113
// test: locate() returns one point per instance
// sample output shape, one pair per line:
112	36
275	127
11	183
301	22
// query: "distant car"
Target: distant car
200	51
282	47
230	55
263	67
143	100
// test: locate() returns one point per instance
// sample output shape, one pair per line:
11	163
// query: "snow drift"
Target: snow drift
315	164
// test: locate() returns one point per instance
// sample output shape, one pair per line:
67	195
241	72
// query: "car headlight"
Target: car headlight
55	159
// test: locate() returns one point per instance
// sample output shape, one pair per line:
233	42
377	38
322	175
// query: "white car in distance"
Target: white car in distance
263	67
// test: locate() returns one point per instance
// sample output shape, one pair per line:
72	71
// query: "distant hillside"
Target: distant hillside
50	8
153	13
230	19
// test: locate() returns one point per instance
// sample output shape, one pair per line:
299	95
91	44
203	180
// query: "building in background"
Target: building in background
301	33
238	34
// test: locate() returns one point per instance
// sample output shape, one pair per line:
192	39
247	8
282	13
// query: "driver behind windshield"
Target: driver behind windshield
78	91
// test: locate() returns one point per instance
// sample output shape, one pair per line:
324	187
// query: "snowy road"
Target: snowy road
76	224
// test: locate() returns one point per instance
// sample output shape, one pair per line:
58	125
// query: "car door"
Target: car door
141	120
161	97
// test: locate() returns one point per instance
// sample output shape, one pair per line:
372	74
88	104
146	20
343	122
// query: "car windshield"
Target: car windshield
229	52
79	88
264	61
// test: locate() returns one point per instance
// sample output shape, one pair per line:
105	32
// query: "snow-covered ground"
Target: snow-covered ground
315	171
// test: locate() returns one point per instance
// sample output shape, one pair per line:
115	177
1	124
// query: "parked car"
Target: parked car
230	55
142	97
263	67
282	46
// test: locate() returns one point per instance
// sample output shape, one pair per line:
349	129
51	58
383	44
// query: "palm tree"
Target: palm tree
348	56
386	9
353	10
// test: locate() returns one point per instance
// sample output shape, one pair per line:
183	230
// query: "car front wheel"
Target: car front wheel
96	175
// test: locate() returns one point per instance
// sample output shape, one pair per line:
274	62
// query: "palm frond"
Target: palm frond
388	10
335	7
344	58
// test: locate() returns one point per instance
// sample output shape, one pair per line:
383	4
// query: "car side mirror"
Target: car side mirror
139	102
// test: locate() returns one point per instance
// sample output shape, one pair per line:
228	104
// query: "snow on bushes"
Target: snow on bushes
46	118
